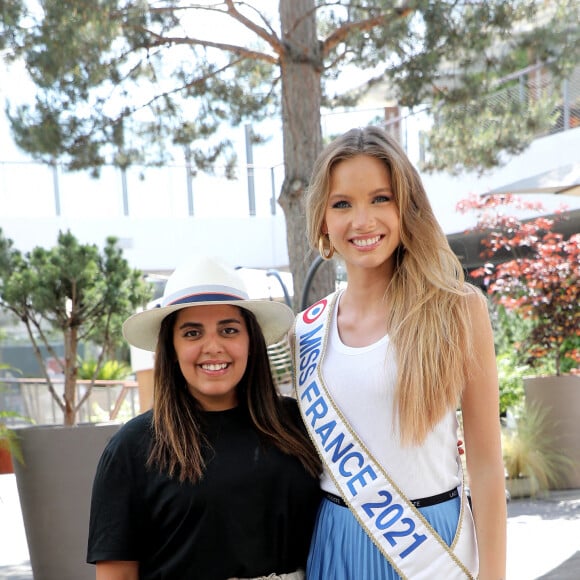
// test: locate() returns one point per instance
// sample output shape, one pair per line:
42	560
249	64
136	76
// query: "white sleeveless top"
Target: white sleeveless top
362	381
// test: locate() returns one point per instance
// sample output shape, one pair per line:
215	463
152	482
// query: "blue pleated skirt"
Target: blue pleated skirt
341	549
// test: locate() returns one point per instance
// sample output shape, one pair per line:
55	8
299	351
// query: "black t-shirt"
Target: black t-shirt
252	513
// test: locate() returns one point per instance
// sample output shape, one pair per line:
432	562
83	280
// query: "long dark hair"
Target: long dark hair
178	437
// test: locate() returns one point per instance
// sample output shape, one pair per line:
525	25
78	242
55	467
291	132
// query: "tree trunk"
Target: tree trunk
301	66
70	376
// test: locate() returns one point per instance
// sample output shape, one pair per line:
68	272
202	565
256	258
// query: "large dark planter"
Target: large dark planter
561	397
54	486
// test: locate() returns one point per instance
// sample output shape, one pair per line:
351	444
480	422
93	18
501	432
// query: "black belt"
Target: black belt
418	503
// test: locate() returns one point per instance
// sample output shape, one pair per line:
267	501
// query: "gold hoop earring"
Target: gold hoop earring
325	255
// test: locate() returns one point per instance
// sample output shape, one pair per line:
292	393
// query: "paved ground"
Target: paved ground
543	536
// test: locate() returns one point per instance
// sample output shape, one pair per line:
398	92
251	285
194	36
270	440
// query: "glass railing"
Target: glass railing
29	189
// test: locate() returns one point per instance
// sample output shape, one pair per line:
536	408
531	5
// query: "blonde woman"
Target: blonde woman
381	368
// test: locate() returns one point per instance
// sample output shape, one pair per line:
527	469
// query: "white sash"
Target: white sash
394	524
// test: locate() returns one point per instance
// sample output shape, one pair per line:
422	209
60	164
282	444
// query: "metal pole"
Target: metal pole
56	188
566	105
125	193
190	207
250	167
273	198
284	289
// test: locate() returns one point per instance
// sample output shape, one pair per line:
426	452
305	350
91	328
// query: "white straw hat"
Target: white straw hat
200	282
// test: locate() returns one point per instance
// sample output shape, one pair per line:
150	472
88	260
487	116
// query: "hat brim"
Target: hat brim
275	319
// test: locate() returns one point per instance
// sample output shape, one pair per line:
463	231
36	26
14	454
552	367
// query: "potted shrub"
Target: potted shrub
534	272
77	291
81	293
532	460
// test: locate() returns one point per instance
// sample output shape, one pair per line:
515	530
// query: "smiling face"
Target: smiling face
361	217
212	345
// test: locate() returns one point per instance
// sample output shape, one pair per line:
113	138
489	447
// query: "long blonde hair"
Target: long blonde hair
428	316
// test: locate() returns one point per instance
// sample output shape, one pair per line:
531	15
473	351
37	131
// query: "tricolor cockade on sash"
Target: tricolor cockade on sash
395	525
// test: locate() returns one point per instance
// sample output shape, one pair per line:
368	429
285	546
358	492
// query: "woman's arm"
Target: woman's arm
481	426
117	570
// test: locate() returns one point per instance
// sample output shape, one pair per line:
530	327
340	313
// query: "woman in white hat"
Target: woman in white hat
219	480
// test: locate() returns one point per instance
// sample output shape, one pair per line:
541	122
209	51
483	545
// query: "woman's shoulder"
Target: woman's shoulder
475	299
128	447
139	423
134	432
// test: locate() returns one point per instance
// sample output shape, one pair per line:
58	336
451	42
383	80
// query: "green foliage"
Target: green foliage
511	382
509	329
529	452
11	14
514	122
111	370
570	350
481	112
78	290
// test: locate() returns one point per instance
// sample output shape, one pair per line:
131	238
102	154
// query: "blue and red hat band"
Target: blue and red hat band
209	293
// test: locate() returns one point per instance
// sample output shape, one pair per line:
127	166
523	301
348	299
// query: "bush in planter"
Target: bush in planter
536	274
83	294
76	290
529	453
